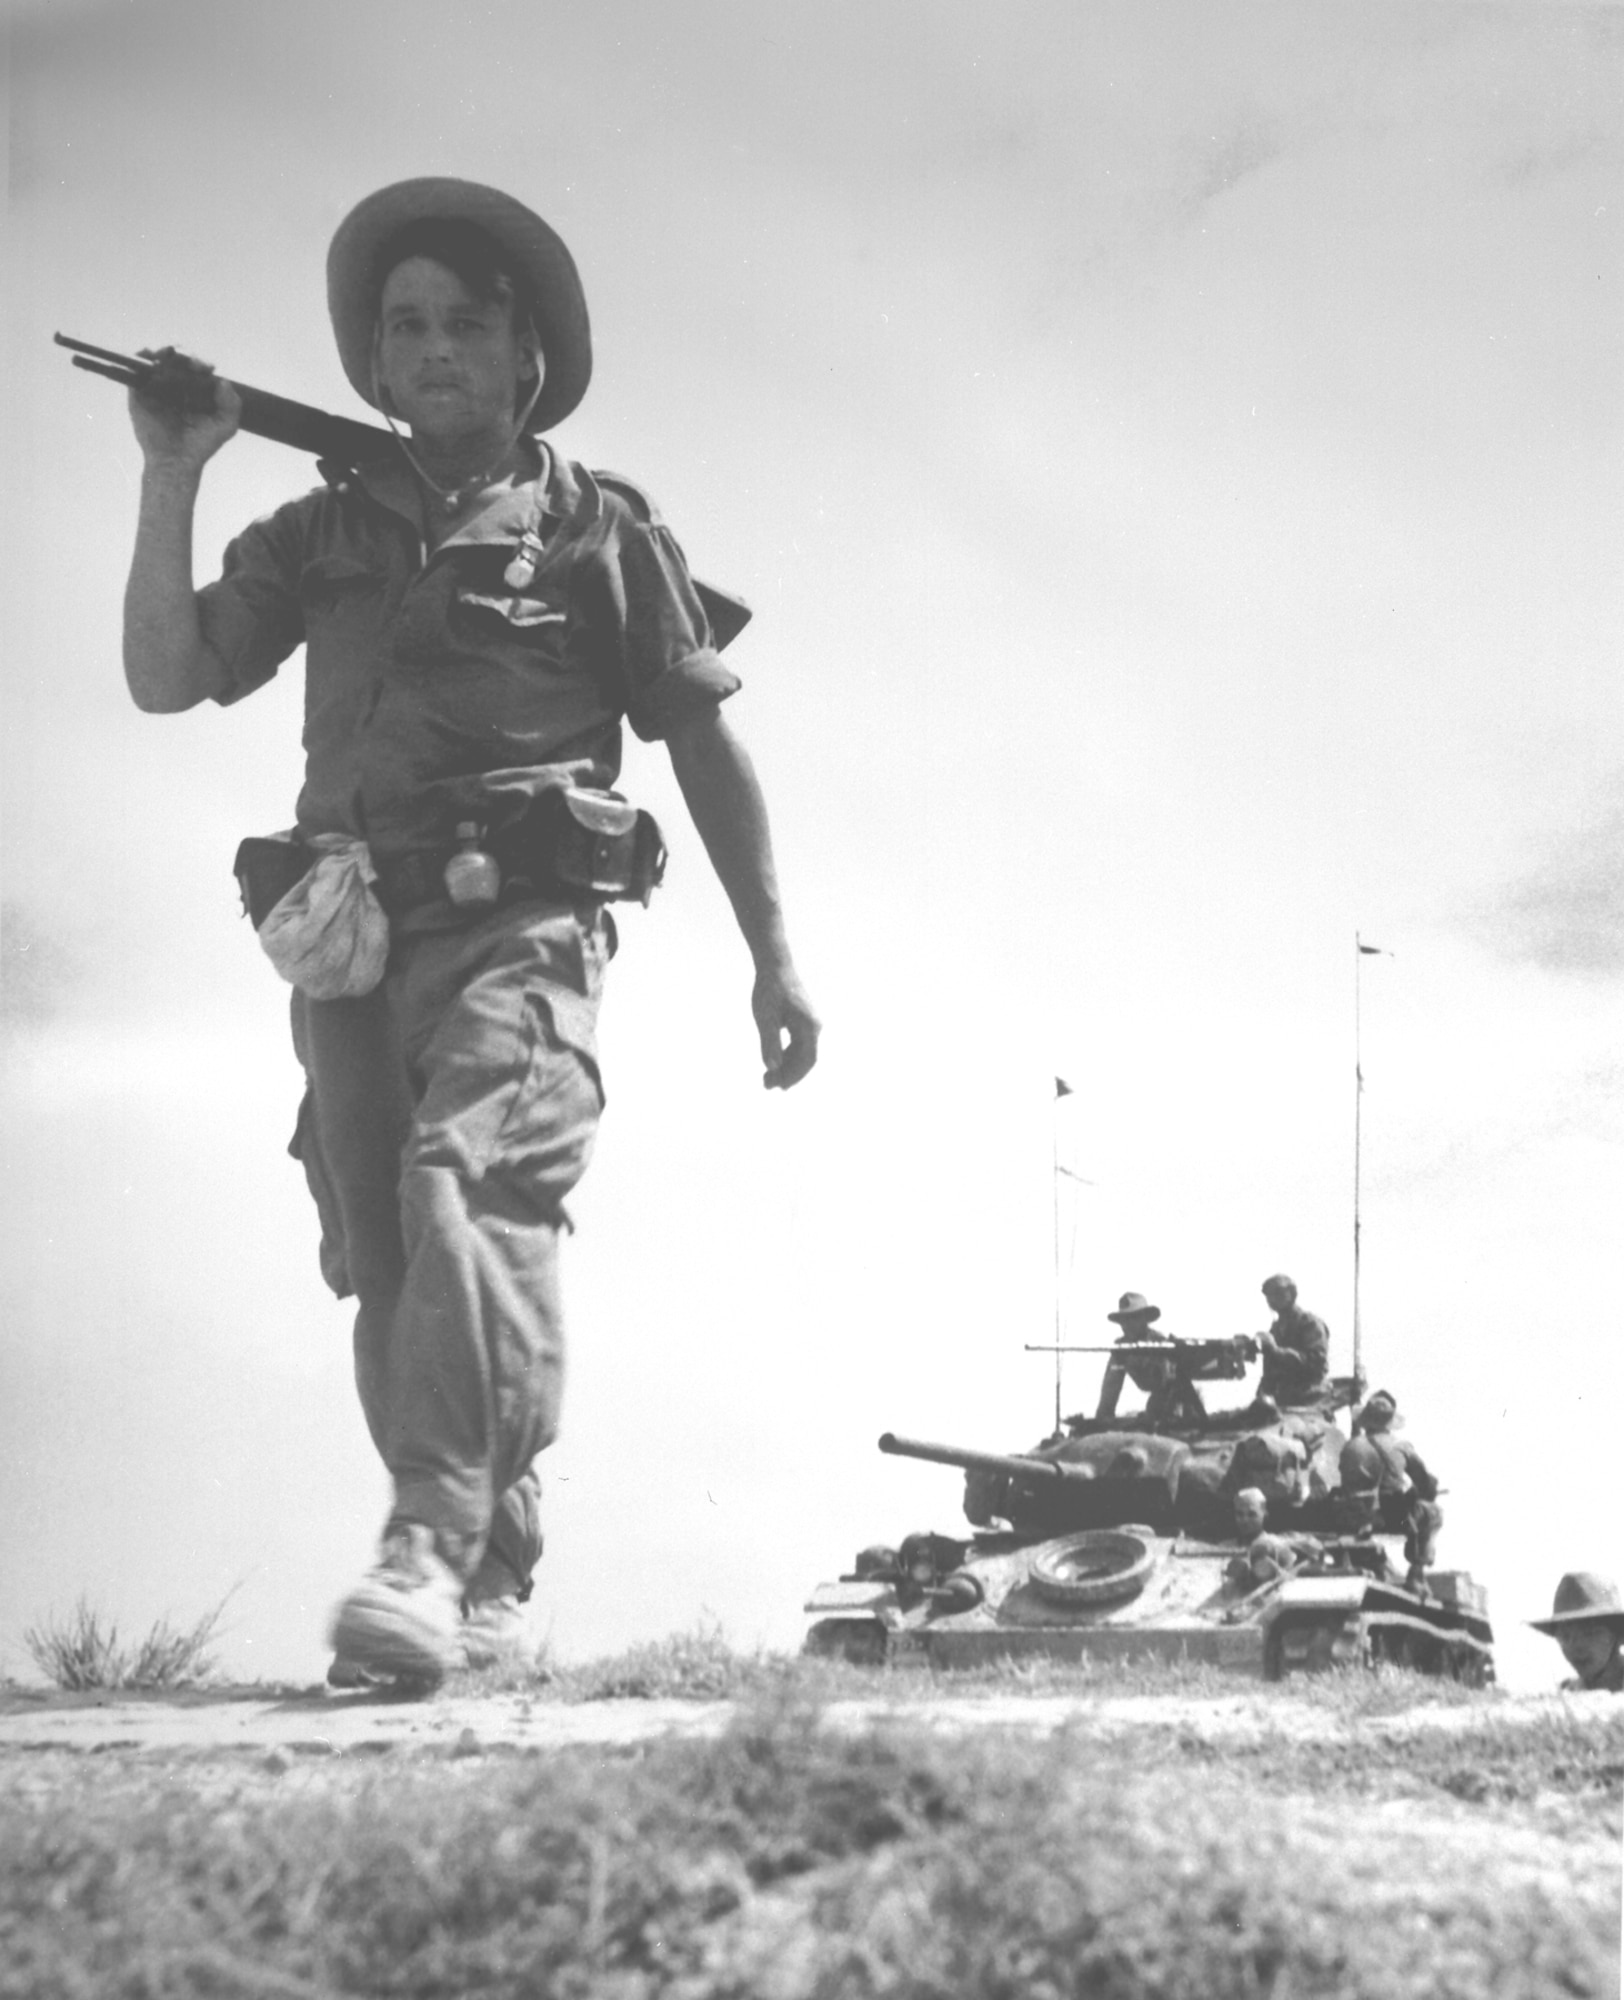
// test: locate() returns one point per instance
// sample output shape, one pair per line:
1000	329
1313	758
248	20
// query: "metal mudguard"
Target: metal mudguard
851	1598
1320	1593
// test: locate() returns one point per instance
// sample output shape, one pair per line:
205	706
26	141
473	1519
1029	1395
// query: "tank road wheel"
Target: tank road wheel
1095	1566
860	1641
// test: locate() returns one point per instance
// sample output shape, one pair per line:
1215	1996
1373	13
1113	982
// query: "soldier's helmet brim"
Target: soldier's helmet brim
544	271
1583	1598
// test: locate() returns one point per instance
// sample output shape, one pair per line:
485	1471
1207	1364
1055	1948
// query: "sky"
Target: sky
1173	453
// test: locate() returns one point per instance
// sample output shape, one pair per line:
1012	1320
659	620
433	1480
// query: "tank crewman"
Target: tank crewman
480	615
1251	1510
930	1569
1275	1462
1296	1346
1136	1317
1385	1483
1265	1557
1587	1622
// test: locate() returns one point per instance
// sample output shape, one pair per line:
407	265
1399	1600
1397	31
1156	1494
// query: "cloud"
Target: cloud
1567	913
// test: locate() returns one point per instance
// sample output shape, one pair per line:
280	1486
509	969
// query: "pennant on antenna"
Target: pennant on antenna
1062	1088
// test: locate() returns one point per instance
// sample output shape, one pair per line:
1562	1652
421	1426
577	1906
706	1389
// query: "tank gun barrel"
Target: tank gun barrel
1034	1471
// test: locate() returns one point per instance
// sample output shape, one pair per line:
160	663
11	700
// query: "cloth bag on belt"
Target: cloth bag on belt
329	935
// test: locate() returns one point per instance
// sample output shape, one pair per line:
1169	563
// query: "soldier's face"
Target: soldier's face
1249	1519
1588	1648
453	365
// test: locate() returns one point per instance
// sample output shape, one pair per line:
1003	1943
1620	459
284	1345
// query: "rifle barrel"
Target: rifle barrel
123	375
101	353
278	418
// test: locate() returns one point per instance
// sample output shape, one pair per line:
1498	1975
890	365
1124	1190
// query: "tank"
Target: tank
1115	1538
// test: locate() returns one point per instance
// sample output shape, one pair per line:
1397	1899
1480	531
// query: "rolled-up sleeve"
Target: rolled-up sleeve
665	656
251	615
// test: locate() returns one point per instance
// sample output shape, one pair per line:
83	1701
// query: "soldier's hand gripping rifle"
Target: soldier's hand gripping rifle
176	381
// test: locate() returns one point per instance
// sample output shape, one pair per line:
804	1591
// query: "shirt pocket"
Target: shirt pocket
526	630
517	612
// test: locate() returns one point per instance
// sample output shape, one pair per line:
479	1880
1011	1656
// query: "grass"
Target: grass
789	1860
80	1652
701	1665
697	1665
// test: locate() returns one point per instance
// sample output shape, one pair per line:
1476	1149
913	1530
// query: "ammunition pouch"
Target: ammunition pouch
266	869
586	842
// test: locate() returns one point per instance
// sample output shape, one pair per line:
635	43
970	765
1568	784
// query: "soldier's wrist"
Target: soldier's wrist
168	476
769	950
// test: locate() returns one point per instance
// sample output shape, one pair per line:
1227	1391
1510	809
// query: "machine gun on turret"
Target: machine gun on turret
1223	1359
1168	1371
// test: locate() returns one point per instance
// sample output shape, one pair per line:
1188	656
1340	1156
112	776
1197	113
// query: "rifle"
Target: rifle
169	377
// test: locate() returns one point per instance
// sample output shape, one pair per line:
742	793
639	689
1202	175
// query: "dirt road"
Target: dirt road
317	1722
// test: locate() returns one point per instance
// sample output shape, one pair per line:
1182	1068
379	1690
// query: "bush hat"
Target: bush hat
1583	1598
1134	1305
543	270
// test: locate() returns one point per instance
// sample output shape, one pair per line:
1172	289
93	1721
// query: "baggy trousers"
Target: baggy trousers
448	1115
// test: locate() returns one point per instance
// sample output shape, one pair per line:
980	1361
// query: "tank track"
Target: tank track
1307	1642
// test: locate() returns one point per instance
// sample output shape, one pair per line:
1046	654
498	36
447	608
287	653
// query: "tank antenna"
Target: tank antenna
1062	1089
1060	1172
1361	951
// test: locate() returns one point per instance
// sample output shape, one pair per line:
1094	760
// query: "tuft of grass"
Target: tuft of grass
697	1665
80	1652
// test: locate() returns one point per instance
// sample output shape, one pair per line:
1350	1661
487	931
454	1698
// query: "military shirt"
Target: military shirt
1403	1470
1307	1341
424	667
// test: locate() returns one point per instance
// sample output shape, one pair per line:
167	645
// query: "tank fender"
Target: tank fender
851	1598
